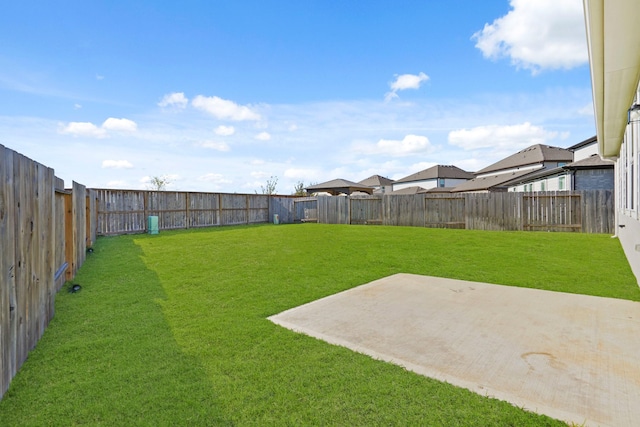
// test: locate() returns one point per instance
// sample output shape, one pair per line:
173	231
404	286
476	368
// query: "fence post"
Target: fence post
187	220
69	247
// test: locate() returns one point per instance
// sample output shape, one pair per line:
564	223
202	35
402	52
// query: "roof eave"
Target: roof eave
613	44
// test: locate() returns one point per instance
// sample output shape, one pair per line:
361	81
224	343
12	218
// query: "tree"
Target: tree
299	189
158	183
270	187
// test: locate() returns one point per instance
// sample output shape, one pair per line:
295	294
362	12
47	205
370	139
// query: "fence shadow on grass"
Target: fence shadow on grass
110	357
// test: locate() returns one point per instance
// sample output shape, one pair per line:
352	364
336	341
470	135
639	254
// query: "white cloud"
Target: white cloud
117	184
215	178
77	106
303	174
409	145
175	99
225	130
83	129
99	77
514	137
263	136
116	164
214	145
88	129
120	125
537	35
404	82
259	174
224	109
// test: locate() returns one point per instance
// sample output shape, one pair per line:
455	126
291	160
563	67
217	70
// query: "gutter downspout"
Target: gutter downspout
616	219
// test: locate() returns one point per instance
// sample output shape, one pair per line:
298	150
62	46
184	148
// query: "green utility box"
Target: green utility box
276	219
152	224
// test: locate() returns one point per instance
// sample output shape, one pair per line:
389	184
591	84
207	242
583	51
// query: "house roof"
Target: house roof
376	181
490	181
439	190
531	155
409	190
585	143
437	171
592	162
338	186
613	39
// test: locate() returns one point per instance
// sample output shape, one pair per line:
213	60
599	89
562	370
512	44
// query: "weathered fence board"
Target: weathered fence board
333	210
365	210
126	211
284	207
8	365
445	211
37	217
580	211
305	210
404	210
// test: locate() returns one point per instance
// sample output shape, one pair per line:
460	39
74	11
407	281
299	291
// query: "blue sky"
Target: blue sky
223	95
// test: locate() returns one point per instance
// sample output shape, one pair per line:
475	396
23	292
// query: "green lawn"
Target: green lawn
171	329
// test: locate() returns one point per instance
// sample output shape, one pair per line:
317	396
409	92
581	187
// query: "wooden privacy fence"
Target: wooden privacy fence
126	211
44	231
580	211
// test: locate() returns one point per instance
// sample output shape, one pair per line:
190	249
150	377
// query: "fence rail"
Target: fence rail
580	211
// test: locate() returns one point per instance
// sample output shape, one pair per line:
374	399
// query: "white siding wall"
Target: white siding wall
551	183
585	152
426	184
627	194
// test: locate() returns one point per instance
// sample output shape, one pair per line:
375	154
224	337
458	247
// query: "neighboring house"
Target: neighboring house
379	183
587	172
592	173
439	176
498	176
614	58
556	179
338	187
585	149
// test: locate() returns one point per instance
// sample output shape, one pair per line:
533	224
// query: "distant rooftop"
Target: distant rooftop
409	190
593	162
488	182
531	155
376	181
437	171
339	186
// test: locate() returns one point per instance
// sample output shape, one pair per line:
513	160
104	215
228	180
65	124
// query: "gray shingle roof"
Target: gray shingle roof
531	155
376	181
490	181
438	171
338	186
593	162
409	190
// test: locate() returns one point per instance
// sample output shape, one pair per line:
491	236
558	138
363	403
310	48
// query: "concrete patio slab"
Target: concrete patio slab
572	357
